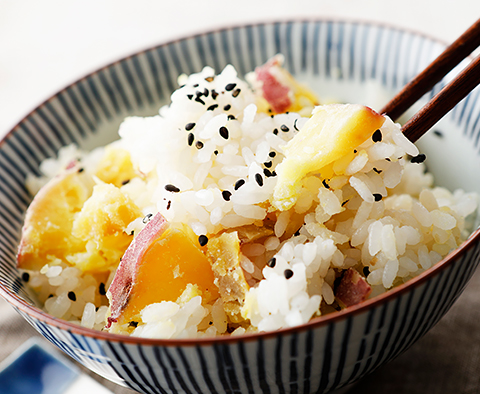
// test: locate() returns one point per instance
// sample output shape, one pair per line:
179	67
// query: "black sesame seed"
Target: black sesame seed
284	128
171	188
131	233
202	240
236	92
230	87
325	184
387	159
212	107
227	107
223	132
146	219
199	100
196	85
272	154
189	126
275	131
169	204
199	144
239	184
231	117
226	195
366	271
267	172
209	79
438	133
125	182
295	125
297	233
377	170
268	164
25	276
101	289
80	170
190	96
214	94
377	136
205	92
345	202
355	151
288	273
272	116
190	139
259	179
377	196
50	296
133	324
215	152
271	263
72	296
198	93
419	158
274	173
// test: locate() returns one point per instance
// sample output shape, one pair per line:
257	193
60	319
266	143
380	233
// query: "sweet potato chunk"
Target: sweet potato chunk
47	231
353	289
224	253
157	266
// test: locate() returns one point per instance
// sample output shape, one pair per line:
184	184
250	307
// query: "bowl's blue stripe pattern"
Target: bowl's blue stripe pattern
192	369
340	352
315	359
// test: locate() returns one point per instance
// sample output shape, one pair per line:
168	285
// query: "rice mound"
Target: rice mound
375	210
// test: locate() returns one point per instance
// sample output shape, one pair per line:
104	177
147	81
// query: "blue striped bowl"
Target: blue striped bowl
340	59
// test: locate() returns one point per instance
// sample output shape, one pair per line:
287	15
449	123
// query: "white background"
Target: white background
47	44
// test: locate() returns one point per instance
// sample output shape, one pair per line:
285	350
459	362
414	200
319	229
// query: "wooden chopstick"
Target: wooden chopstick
426	80
444	101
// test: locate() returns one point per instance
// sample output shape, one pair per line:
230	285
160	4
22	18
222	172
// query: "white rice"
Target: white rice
381	215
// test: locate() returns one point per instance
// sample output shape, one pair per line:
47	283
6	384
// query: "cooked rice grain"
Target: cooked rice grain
210	163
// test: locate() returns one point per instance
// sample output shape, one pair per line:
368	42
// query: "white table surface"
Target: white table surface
47	44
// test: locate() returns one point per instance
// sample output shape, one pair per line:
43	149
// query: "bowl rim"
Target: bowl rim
321	321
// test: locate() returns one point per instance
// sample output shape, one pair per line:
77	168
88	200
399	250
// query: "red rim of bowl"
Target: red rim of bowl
327	319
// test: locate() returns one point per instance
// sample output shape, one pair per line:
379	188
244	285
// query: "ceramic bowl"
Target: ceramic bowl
345	61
